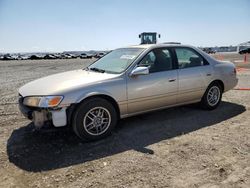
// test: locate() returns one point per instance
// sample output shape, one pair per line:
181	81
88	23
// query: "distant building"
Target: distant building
243	45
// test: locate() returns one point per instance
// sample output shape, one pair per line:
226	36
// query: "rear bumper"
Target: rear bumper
231	83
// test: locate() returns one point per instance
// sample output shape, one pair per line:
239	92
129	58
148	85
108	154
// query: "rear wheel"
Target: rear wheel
94	119
212	97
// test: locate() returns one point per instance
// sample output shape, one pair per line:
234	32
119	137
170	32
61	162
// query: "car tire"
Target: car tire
212	97
94	119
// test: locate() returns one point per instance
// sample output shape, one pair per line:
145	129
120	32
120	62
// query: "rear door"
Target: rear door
194	74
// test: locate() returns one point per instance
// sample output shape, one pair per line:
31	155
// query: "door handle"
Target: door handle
209	74
171	80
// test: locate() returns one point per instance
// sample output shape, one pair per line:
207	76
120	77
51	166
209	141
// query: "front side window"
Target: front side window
116	61
188	58
157	60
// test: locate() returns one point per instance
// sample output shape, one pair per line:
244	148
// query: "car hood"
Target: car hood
57	84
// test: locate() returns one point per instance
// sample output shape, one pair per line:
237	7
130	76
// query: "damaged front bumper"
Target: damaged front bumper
39	116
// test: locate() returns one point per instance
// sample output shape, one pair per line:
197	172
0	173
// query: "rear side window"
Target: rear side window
189	58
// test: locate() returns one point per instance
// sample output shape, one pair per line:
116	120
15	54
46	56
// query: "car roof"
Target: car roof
172	44
150	46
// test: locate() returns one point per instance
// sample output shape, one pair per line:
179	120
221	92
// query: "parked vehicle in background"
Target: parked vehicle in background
99	55
57	55
67	56
126	82
209	50
50	56
245	51
35	57
22	57
73	56
8	57
85	56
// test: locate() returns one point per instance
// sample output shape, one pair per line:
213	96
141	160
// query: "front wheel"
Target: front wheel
94	119
212	97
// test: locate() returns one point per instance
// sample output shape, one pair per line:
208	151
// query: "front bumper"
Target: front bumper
40	116
27	112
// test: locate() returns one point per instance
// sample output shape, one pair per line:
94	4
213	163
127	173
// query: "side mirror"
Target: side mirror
139	36
139	71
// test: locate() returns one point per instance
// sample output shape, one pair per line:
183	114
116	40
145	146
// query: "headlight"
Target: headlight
45	102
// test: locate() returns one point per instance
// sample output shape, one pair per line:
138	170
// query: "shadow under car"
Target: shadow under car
45	150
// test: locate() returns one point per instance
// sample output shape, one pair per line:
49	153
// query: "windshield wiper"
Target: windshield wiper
97	70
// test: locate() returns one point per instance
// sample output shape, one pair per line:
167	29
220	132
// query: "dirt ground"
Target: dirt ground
177	147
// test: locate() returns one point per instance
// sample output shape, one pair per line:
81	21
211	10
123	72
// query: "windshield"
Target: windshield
116	61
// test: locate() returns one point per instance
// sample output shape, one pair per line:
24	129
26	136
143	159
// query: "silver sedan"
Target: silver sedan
126	82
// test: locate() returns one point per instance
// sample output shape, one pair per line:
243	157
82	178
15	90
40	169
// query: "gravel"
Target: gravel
177	147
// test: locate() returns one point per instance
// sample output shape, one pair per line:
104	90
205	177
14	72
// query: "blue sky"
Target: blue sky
58	25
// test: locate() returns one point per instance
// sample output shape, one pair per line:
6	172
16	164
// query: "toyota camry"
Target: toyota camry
126	82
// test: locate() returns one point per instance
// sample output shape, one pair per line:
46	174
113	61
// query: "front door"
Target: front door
156	89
